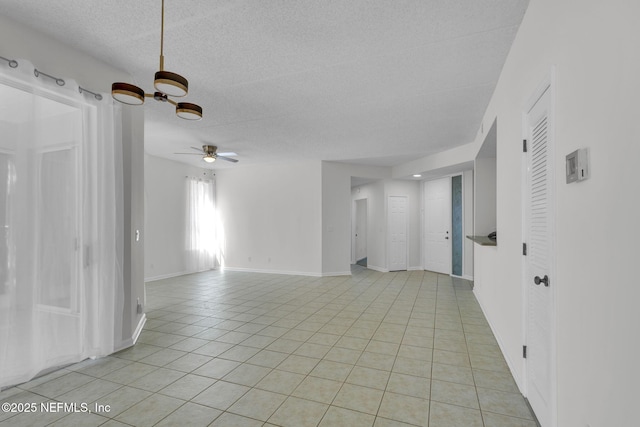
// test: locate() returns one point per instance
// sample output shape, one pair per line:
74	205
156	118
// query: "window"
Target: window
201	235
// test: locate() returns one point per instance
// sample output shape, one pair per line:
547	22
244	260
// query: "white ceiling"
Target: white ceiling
375	82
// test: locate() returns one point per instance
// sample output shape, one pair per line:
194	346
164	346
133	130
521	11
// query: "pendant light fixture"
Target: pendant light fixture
166	84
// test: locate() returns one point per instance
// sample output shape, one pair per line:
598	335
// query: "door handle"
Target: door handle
537	280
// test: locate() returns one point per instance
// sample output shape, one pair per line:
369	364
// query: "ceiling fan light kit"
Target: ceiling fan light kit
210	153
166	84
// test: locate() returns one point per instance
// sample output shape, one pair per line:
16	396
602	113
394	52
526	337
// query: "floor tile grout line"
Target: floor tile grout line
374	293
475	385
306	376
344	381
396	357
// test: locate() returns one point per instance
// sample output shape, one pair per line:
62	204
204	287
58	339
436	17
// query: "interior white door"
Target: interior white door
538	269
437	225
361	229
397	230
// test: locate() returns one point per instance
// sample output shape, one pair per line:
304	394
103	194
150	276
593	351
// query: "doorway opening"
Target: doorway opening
360	233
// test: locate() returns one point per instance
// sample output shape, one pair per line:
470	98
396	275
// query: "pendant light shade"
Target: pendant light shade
166	84
171	84
188	111
127	93
209	158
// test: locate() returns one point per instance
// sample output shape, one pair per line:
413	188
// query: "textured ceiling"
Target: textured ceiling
374	82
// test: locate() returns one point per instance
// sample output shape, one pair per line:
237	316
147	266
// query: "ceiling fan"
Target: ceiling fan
209	154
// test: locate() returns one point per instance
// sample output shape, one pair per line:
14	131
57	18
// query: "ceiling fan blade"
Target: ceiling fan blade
228	159
230	153
198	149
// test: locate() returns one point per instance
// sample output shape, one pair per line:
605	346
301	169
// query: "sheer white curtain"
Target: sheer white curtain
201	229
59	266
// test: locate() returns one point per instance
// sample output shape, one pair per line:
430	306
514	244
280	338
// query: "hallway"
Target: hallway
247	349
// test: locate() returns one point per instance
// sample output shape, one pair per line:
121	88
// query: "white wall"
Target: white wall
271	217
448	161
165	196
594	49
18	41
485	196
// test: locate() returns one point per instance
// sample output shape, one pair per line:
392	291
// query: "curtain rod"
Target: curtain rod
60	82
95	95
213	175
12	62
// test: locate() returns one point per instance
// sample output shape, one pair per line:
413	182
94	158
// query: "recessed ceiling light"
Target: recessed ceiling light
417	175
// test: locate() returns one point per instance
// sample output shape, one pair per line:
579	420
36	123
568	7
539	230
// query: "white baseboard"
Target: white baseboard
129	342
337	273
123	345
376	268
253	270
284	272
138	331
181	273
465	277
165	276
510	363
418	268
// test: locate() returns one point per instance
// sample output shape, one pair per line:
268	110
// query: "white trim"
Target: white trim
502	346
182	273
284	272
123	345
138	331
129	342
337	273
165	276
416	268
467	277
376	268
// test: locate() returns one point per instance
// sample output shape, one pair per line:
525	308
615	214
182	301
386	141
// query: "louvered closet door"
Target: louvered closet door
538	281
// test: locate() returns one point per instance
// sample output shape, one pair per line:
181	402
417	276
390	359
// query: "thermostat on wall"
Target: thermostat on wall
578	165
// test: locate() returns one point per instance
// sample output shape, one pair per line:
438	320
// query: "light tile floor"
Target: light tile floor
245	349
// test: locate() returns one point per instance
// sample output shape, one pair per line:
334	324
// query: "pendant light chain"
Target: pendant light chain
162	39
166	84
